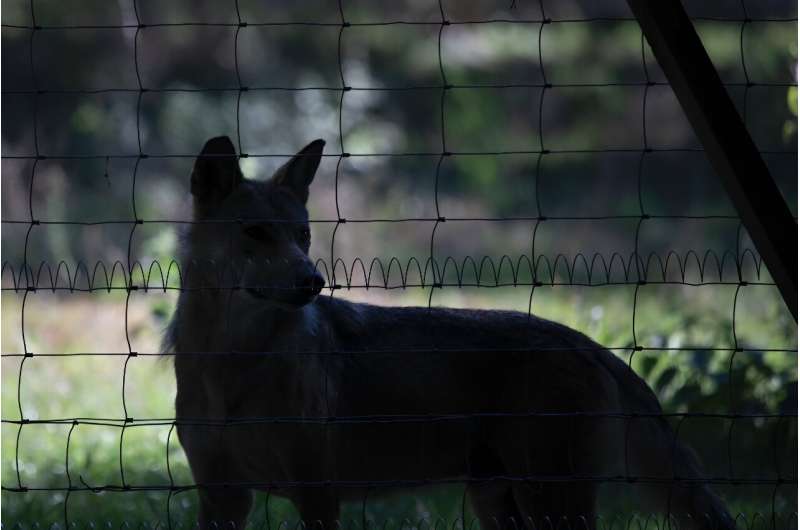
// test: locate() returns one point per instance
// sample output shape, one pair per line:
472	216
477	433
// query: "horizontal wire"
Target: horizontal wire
377	220
442	285
245	24
381	418
457	86
327	483
756	520
421	154
151	289
405	351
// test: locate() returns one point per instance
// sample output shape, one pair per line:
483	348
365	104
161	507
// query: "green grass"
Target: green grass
689	379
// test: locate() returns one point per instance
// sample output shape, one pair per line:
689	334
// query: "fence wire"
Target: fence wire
740	268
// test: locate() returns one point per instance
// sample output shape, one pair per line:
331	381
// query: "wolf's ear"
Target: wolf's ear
297	173
216	173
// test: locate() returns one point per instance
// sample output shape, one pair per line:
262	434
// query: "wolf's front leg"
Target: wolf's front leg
223	506
220	503
318	507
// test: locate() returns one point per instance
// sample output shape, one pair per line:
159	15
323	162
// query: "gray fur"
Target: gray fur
318	357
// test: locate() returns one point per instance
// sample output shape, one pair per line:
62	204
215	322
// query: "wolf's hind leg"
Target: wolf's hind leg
318	507
568	506
491	497
682	491
493	504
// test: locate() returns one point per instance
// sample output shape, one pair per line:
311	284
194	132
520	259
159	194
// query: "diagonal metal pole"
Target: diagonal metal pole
731	150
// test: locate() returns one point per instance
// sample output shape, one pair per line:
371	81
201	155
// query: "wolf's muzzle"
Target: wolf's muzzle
312	284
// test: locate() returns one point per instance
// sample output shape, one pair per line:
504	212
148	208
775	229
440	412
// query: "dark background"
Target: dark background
93	120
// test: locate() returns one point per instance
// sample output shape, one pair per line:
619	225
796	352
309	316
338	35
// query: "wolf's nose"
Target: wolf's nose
313	283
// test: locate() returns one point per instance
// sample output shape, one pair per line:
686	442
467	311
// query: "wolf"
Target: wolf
281	388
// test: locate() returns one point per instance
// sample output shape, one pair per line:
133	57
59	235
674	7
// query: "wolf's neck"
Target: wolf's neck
209	320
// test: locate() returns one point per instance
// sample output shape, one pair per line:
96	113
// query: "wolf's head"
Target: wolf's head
256	231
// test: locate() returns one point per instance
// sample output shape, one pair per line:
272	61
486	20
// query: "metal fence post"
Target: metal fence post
731	150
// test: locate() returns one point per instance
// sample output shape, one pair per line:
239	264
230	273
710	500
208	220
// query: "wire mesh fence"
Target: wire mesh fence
525	156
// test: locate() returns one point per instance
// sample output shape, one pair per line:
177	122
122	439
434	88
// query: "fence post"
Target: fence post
731	150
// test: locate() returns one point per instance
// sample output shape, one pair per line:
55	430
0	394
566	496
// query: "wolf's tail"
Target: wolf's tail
672	480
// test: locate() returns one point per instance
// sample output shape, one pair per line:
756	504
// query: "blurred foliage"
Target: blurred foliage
601	116
607	114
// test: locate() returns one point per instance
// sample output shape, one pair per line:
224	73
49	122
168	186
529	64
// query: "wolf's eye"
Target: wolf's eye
304	235
256	232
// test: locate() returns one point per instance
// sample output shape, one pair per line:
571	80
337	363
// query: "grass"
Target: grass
64	386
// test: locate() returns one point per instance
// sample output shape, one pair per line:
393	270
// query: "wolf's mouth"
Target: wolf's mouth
295	302
258	292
